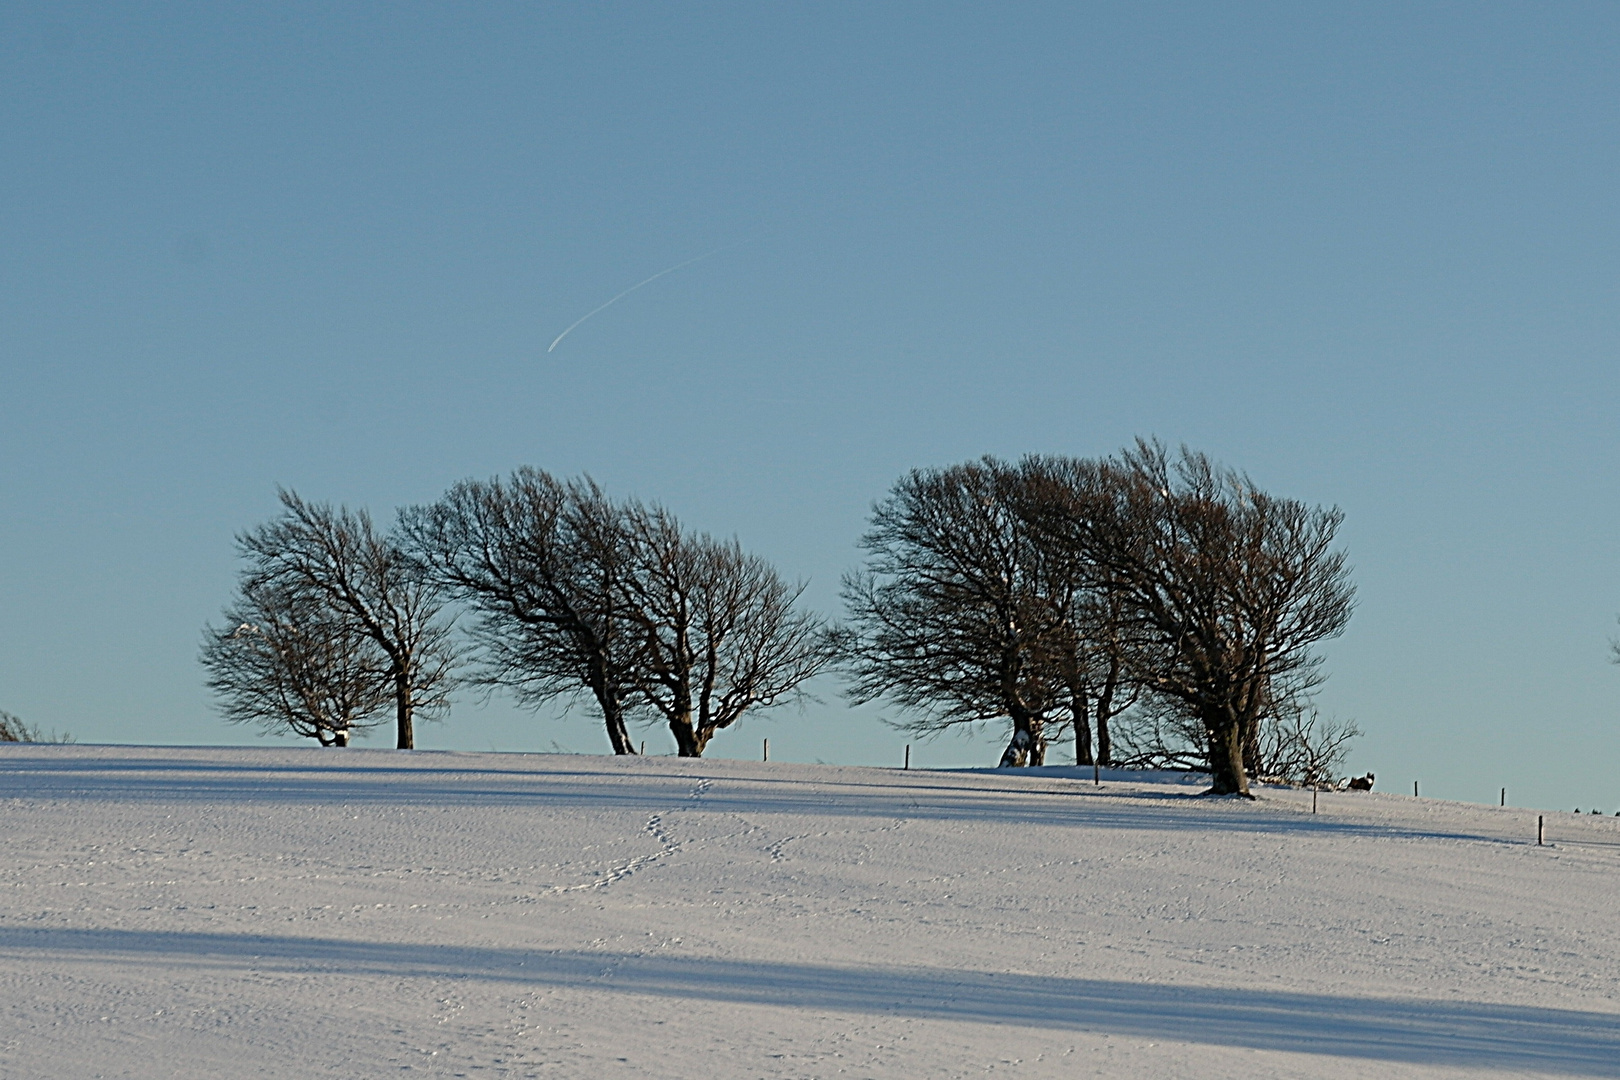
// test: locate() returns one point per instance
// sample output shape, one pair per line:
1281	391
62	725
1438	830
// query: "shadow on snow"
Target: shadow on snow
662	784
1455	1034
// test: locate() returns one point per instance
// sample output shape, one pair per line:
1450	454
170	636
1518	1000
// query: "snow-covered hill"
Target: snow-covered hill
364	913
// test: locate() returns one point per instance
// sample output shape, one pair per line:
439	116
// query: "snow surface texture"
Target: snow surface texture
368	913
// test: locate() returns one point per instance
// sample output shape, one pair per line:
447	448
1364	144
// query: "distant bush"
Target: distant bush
13	729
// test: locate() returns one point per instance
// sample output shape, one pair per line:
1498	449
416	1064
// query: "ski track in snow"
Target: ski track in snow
292	912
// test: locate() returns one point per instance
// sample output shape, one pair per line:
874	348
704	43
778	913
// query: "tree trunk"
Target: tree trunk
1028	746
608	700
702	739
1017	753
402	709
1227	775
1105	711
340	738
1251	750
688	743
1082	727
618	734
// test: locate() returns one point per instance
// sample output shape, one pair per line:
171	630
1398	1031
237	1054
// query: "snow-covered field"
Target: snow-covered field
366	913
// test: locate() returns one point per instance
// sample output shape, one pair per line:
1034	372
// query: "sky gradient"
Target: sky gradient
1367	255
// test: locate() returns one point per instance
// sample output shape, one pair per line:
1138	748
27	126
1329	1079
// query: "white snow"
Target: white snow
364	913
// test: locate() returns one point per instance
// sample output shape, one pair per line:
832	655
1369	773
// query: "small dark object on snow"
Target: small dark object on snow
1361	783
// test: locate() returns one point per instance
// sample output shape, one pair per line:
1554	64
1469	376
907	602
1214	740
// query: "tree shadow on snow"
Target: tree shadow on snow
661	785
1443	1033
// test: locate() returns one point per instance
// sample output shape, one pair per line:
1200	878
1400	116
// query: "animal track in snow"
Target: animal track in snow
776	852
655	828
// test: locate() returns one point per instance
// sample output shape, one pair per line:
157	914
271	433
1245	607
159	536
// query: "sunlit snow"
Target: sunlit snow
368	913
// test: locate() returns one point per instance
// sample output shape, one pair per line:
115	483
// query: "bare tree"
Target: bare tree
1222	588
719	629
286	659
1298	745
958	614
348	575
543	564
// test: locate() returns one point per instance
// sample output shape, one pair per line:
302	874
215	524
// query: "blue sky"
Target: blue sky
1367	254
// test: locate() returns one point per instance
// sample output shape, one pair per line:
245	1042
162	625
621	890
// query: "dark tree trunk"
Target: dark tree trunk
688	742
402	710
618	734
611	703
1105	710
1082	727
1227	775
1028	743
1017	753
340	738
1251	750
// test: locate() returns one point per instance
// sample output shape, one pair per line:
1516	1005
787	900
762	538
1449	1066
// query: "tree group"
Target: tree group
567	592
1152	606
1061	592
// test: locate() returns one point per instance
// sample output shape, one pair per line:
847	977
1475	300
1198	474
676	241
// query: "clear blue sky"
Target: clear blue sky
1368	255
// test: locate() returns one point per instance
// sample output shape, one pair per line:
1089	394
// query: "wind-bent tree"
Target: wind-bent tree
542	563
285	659
1222	589
959	615
719	629
347	575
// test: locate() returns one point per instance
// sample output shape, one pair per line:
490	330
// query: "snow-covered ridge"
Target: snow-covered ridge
300	912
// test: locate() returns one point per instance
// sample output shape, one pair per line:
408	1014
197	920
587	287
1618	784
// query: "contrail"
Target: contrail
638	285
